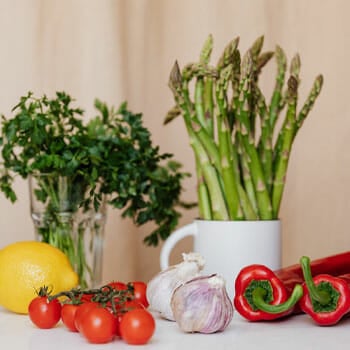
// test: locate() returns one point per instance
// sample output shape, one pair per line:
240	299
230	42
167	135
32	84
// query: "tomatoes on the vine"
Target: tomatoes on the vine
99	314
137	326
43	312
68	316
99	325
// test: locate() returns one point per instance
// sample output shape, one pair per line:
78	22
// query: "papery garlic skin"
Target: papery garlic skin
202	305
161	287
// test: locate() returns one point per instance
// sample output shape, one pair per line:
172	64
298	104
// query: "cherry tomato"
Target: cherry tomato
118	285
140	292
81	312
118	319
43	313
137	326
131	305
68	316
98	325
86	298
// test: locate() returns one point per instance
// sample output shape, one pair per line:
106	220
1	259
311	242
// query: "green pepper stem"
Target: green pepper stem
258	300
322	297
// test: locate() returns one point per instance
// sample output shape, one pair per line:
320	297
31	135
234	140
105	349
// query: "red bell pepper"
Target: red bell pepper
261	295
335	265
326	298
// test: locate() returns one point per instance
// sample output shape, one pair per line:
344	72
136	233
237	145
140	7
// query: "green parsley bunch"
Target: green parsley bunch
112	155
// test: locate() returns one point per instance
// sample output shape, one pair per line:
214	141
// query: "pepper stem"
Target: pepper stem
258	300
323	297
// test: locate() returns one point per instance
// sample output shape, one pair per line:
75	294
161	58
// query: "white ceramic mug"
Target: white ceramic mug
228	246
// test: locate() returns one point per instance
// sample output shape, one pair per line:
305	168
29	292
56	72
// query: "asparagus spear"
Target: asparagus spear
230	177
294	71
255	51
235	83
288	133
265	142
310	101
202	89
244	134
275	104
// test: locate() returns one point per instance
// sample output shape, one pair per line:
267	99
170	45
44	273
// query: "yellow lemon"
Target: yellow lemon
26	266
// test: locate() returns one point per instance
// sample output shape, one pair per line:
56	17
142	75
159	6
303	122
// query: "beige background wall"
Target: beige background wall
124	49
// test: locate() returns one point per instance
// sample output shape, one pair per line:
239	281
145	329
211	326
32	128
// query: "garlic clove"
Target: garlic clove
161	287
202	305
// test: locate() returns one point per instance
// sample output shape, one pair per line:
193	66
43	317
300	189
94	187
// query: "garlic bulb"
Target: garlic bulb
161	287
202	305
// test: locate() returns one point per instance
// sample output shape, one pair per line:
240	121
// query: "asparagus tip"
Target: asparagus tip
257	46
280	56
295	65
206	50
319	80
292	86
175	78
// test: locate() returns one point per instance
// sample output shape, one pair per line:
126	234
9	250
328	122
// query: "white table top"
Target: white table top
18	333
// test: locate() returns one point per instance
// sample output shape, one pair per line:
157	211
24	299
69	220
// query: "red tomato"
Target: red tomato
86	298
137	326
99	325
118	319
118	285
68	316
81	312
140	292
131	305
44	313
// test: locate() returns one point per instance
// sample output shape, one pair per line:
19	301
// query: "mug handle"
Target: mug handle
187	230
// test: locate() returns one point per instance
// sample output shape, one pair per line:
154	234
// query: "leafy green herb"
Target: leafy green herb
112	155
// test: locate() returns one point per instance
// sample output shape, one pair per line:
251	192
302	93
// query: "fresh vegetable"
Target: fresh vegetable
110	156
131	305
98	325
97	313
261	295
81	312
326	298
137	327
68	313
161	287
241	153
202	305
44	313
118	285
335	265
140	292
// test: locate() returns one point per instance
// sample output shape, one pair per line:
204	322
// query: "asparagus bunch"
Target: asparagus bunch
241	151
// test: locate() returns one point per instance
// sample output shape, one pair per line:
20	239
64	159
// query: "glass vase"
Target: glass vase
62	219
